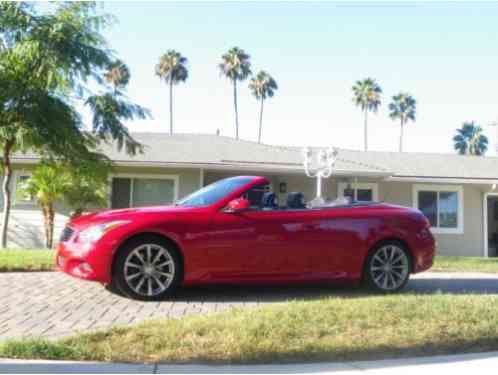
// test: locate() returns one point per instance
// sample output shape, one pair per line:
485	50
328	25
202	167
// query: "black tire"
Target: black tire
388	267
142	276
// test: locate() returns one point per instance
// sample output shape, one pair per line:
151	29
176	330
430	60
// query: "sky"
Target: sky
444	54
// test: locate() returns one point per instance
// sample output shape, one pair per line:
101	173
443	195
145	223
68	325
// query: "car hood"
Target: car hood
103	216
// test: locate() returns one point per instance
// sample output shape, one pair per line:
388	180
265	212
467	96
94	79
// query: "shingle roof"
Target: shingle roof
203	149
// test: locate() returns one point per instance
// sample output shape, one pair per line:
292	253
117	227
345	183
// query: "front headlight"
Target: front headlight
95	232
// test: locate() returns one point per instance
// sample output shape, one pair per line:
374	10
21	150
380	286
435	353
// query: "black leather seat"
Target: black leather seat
269	201
295	200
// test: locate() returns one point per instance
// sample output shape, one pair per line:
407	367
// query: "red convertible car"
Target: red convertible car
234	231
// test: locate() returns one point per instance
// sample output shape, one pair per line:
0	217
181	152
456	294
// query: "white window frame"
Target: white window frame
341	186
133	176
23	203
443	188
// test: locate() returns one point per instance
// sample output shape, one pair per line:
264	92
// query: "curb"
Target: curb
484	363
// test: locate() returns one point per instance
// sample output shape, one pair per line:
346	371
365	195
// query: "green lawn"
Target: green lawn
465	264
17	260
359	327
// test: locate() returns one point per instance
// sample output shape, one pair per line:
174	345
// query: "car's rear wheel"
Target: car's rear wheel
148	269
388	267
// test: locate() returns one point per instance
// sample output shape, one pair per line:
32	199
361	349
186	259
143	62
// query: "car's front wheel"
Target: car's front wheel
147	268
388	267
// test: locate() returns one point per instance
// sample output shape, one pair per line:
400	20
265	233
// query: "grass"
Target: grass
22	260
331	329
465	264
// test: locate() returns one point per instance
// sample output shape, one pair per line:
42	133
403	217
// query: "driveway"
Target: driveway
51	304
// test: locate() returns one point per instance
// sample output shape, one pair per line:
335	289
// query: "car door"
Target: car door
333	242
260	243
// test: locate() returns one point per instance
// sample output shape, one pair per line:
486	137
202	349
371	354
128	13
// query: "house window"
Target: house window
21	196
140	192
442	205
362	192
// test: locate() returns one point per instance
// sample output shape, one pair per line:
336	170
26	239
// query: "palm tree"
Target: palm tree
469	140
366	95
47	184
118	75
235	66
402	107
172	68
262	86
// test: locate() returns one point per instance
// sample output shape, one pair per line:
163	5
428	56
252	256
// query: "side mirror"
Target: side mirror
237	205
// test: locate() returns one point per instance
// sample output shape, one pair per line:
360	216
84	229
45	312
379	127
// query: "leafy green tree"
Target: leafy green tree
236	66
263	86
366	95
172	69
403	108
50	63
47	185
470	140
80	185
87	184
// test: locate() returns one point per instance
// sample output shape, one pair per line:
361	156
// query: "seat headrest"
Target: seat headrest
295	200
269	200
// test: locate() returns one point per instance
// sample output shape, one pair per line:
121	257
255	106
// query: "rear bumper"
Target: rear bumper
87	262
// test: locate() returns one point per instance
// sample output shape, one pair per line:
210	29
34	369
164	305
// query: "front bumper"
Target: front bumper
85	261
424	258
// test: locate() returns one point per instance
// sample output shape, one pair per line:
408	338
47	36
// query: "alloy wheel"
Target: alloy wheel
149	270
389	267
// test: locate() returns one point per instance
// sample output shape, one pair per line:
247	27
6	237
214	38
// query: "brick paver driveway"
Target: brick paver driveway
51	304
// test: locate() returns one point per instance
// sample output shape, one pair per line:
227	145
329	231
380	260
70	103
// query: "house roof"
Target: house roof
219	152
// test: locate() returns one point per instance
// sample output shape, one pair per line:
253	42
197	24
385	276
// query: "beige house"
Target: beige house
457	193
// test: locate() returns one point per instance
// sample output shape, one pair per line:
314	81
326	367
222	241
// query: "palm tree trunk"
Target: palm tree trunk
171	107
235	107
46	225
7	175
51	216
365	130
401	138
260	120
48	221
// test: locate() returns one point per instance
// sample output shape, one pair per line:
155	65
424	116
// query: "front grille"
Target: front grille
66	234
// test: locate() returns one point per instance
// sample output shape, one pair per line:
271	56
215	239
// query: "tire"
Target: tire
388	267
147	268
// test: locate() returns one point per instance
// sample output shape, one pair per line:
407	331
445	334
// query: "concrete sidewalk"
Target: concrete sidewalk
482	364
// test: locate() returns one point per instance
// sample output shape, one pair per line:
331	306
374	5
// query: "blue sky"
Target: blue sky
445	54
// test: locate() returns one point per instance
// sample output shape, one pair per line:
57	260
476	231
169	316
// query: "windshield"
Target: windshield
213	193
